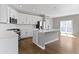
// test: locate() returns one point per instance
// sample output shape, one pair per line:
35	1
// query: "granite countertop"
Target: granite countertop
49	30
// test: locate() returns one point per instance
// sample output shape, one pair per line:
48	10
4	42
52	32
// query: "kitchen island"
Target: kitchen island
43	37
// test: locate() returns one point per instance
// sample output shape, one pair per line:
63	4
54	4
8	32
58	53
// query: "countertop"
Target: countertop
47	30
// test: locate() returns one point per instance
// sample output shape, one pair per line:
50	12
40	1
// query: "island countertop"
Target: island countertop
48	30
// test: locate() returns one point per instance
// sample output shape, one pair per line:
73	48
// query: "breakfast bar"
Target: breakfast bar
44	37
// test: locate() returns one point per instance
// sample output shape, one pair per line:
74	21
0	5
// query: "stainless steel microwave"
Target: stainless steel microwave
12	20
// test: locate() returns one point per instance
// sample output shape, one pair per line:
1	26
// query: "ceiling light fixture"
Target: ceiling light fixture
33	9
54	7
20	6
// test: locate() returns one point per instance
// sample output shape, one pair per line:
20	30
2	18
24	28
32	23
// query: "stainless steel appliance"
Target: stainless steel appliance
12	20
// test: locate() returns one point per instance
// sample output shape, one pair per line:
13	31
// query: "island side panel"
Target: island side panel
51	37
38	39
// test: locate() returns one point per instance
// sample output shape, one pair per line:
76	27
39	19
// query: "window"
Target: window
66	26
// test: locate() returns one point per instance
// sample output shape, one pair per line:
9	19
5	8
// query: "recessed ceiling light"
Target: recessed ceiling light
33	9
20	6
54	7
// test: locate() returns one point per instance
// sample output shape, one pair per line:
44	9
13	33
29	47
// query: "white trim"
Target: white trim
51	41
40	46
46	43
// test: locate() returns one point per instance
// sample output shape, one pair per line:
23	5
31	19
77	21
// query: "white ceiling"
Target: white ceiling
46	9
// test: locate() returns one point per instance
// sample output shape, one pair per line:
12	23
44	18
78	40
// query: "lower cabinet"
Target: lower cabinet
26	34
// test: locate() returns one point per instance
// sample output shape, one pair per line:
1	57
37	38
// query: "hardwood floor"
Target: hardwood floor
66	45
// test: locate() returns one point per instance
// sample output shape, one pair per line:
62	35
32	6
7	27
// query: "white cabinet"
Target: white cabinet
23	34
35	37
21	18
26	33
28	19
3	13
35	19
6	12
24	19
12	13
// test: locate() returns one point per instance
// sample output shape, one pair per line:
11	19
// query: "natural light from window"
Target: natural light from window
66	26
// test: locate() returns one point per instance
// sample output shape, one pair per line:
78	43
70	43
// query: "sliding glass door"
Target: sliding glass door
66	26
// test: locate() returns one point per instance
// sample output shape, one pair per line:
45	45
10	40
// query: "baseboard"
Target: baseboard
26	38
40	46
76	35
51	41
46	43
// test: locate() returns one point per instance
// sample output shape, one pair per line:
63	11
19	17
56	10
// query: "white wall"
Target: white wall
56	23
60	13
75	21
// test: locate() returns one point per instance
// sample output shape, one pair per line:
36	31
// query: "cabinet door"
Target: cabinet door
36	18
22	18
3	13
23	34
35	37
12	13
39	18
17	17
28	19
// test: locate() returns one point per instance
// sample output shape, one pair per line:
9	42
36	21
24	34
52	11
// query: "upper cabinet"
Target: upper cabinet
28	19
33	19
12	13
21	18
3	13
6	12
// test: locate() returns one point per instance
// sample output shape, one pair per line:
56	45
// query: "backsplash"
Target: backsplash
7	26
10	26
